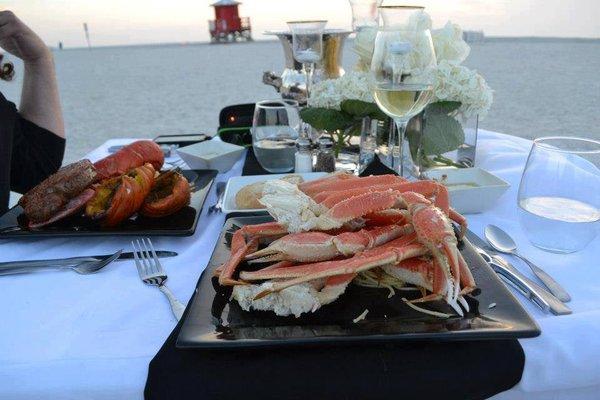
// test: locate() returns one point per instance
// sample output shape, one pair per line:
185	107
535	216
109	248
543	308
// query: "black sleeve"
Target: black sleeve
36	154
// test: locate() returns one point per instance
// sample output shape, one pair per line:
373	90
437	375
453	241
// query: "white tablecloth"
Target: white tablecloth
67	336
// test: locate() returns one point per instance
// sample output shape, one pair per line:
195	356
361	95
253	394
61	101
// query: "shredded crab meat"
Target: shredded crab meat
426	311
361	316
377	278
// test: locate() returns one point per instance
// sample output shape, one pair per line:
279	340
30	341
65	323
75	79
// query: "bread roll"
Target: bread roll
248	196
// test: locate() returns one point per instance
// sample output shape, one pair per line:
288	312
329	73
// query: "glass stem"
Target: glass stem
308	71
397	145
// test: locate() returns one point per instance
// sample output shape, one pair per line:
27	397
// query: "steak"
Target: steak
49	198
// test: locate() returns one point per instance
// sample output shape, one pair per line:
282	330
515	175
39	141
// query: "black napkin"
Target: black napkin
414	370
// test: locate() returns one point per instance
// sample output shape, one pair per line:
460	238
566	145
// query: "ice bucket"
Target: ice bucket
291	83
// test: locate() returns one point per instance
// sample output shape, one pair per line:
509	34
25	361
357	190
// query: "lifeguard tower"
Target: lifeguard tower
227	26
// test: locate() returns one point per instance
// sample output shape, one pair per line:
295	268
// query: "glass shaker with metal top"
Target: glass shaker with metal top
303	157
325	156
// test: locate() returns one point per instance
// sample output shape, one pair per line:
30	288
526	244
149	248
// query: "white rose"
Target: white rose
449	44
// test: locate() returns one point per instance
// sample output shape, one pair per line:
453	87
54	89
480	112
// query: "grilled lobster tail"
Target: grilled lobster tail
131	156
171	192
116	199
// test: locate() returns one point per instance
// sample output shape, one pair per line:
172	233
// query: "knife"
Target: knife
531	290
129	255
76	260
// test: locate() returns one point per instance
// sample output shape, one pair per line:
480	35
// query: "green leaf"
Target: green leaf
361	109
442	107
442	133
326	118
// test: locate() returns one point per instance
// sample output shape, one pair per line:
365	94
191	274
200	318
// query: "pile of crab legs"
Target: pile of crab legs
331	229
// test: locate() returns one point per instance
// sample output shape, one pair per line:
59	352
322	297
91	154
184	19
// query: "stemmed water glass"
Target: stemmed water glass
307	46
401	73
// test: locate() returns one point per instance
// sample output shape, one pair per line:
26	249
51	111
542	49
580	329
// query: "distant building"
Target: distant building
228	26
473	36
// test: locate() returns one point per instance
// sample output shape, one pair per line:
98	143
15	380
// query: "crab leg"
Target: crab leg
429	189
244	241
314	187
320	246
392	253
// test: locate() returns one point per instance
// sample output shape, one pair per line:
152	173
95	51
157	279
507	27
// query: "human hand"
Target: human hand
19	40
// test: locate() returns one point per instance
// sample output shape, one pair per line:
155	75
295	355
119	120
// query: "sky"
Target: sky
121	22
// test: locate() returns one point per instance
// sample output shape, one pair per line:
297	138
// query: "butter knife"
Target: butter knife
557	307
65	262
531	290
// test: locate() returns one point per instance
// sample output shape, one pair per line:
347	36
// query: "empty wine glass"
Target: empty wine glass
364	13
402	73
274	132
307	46
559	194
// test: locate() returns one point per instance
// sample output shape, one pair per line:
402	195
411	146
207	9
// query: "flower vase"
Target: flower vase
433	146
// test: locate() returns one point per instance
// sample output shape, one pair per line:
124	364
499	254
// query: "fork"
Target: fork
81	265
220	193
152	273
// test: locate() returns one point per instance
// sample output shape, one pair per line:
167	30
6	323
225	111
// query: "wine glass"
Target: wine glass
559	194
364	13
307	46
274	132
402	73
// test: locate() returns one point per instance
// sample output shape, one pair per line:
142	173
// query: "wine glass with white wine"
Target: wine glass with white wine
401	74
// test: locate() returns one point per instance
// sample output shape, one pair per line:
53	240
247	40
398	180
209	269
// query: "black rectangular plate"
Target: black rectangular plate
182	223
215	321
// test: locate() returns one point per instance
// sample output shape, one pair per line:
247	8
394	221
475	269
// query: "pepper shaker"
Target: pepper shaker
325	157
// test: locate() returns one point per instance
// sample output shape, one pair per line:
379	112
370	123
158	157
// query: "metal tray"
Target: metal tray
182	223
215	321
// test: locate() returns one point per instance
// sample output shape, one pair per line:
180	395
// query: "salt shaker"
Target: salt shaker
325	157
304	160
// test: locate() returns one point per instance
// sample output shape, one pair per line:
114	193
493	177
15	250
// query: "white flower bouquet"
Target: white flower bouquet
459	93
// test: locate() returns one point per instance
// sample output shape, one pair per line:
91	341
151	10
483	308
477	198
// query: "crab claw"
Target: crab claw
245	240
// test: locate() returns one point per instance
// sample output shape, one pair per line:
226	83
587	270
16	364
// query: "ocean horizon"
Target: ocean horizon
202	43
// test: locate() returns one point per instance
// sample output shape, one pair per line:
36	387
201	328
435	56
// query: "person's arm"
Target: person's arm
40	102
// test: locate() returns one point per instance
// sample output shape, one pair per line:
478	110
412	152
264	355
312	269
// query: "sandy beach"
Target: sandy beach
144	91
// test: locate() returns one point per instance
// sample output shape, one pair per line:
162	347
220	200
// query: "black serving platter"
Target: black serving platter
182	223
216	321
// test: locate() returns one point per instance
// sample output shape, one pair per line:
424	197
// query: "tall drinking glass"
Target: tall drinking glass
274	132
307	46
559	194
401	73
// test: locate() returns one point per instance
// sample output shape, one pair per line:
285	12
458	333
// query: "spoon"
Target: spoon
502	242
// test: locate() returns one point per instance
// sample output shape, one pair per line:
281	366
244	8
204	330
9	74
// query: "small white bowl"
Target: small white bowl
211	154
472	190
235	184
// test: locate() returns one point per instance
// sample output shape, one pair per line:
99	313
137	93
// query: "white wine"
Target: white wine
402	100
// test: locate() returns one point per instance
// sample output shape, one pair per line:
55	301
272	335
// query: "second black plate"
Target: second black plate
182	223
216	321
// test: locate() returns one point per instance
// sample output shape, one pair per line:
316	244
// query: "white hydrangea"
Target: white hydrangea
330	93
454	82
449	44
